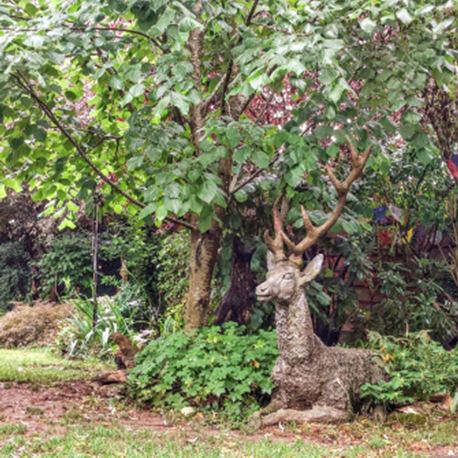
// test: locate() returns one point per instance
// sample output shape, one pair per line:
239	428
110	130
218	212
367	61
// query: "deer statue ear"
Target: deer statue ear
270	260
312	270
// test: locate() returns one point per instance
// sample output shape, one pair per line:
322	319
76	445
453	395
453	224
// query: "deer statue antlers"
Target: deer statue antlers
276	245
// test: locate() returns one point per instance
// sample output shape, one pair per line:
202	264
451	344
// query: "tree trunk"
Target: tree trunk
204	252
237	302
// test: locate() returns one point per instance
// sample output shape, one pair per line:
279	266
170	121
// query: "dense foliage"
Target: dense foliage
197	115
214	370
14	274
127	101
419	368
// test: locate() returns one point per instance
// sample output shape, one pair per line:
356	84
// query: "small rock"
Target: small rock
187	411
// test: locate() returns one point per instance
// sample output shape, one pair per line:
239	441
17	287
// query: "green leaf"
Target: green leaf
261	159
172	205
367	25
115	82
425	156
333	150
232	136
408	131
40	135
388	125
404	16
204	223
13	184
296	66
336	93
328	75
322	132
137	90
153	153
161	106
133	143
411	117
207	191
445	24
135	162
34	41
161	213
242	154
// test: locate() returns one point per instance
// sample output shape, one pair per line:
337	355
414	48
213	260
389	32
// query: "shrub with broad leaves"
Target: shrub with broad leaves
219	370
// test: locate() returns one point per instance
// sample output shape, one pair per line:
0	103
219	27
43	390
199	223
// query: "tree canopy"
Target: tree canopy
194	112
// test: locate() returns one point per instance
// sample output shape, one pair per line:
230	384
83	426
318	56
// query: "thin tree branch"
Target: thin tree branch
134	32
264	108
23	82
215	92
251	13
255	175
89	29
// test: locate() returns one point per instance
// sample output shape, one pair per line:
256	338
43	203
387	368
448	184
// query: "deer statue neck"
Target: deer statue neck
296	338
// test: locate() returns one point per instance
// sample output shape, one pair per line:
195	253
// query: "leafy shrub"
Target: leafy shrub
69	258
215	370
78	337
14	274
135	246
412	298
419	367
172	262
36	325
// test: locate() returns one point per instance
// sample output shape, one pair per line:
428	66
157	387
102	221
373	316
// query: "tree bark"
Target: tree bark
204	252
237	302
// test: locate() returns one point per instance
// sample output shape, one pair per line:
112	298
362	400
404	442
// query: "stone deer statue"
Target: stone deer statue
313	382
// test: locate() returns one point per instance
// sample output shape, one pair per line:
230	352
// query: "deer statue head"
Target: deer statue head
284	279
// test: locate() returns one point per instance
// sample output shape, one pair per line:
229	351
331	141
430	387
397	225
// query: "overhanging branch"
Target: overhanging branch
24	83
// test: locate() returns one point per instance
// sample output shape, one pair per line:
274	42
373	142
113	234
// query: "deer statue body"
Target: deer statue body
313	382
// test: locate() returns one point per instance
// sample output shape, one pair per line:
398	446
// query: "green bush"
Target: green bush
413	294
214	370
14	274
419	367
77	336
69	258
172	263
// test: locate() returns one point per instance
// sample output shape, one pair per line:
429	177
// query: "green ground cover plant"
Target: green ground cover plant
418	366
214	370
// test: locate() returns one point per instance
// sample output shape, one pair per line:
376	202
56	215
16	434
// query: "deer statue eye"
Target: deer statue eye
288	277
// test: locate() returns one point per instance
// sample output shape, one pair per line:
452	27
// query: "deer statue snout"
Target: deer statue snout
281	284
263	292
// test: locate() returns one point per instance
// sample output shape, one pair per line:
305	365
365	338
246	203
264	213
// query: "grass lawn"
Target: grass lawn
48	408
112	441
41	366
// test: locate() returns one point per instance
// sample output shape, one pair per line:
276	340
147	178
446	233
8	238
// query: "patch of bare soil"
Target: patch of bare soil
38	407
44	410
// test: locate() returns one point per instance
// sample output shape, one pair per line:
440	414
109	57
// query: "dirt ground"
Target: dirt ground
40	407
